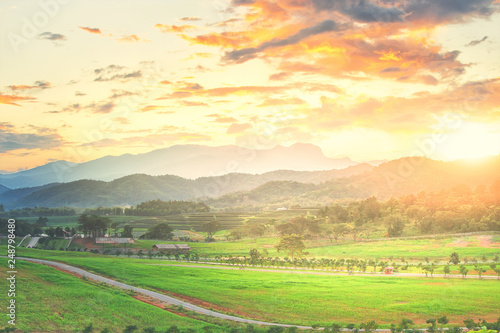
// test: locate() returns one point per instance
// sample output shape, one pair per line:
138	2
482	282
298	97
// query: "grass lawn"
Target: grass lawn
472	246
52	301
418	249
55	221
304	299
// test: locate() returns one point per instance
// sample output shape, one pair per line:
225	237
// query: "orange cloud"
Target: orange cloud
242	90
282	101
474	100
36	85
392	43
224	39
151	108
12	99
91	30
174	28
131	39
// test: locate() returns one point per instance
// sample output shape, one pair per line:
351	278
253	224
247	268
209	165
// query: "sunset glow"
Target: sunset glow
85	79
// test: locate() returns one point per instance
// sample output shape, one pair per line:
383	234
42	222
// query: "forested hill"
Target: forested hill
392	179
395	178
3	189
133	189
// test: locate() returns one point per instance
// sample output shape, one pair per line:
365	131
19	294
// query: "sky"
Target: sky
366	79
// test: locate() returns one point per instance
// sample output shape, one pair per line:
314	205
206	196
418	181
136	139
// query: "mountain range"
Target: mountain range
187	161
272	189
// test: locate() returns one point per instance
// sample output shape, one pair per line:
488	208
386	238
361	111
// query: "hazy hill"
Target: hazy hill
3	189
16	194
394	178
134	189
187	161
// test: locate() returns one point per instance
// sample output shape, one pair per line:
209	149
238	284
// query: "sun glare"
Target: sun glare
470	141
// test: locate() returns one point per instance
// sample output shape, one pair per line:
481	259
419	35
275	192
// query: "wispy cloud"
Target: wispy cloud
36	85
14	99
115	72
91	30
50	36
249	53
174	28
475	42
132	39
10	140
190	18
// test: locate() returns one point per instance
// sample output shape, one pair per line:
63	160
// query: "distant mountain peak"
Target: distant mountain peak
189	161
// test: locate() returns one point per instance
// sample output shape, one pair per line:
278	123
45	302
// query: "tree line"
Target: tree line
36	211
163	208
406	325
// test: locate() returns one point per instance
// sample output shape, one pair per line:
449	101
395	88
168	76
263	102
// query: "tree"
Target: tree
432	328
254	255
127	231
42	221
37	231
496	270
454	258
160	231
395	225
446	270
406	323
480	271
50	232
2	209
339	230
59	232
211	227
93	225
256	230
443	321
292	245
471	324
464	271
369	326
334	327
288	228
235	234
115	227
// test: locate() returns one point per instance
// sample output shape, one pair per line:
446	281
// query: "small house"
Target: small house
113	240
389	270
171	247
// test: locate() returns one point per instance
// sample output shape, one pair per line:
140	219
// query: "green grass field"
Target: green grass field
412	249
52	301
471	246
55	221
303	299
188	221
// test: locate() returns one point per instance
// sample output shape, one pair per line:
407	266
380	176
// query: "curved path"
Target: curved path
153	294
